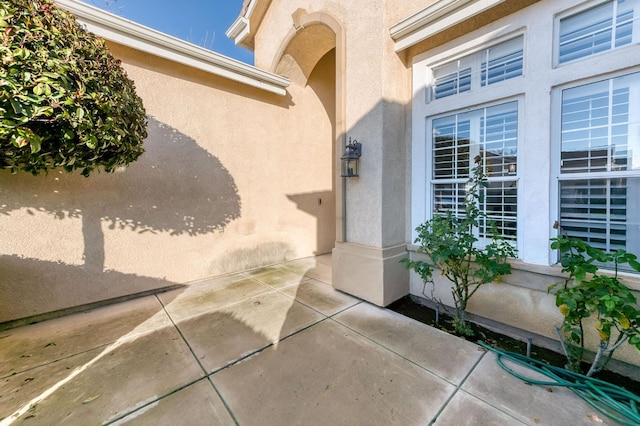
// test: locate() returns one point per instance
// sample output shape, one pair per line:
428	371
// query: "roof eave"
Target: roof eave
435	18
128	33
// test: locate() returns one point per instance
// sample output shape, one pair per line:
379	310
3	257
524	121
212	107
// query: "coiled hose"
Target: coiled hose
613	401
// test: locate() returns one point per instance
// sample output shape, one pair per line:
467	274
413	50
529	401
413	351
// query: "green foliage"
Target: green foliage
587	293
64	100
450	243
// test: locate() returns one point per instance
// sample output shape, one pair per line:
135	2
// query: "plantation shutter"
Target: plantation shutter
488	66
598	29
599	189
502	62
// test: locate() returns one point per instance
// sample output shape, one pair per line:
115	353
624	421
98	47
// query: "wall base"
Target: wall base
370	273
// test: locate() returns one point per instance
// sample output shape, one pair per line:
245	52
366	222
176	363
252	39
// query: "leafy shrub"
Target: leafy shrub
588	293
450	243
64	100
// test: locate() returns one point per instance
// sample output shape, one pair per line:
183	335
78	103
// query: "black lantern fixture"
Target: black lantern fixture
351	159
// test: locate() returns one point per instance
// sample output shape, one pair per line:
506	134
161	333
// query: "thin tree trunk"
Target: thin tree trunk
93	242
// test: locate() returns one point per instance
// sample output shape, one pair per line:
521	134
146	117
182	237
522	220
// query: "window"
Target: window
559	143
492	65
491	133
604	27
600	163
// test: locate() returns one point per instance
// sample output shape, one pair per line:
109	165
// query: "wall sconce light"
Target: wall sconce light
351	159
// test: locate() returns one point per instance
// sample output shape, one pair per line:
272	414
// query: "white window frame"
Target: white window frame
539	103
584	7
474	60
432	180
494	94
557	149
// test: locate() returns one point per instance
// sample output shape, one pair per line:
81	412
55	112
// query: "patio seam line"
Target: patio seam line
59	359
268	290
304	279
204	370
326	317
305	274
65	357
404	357
257	351
358	300
174	391
224	402
243	272
459	387
479	398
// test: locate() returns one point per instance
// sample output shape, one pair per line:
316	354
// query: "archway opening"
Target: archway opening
310	60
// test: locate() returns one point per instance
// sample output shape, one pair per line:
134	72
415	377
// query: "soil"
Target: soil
411	308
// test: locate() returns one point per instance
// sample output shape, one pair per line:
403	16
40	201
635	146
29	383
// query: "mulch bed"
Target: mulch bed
412	308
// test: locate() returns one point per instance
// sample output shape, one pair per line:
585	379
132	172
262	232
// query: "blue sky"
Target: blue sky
201	22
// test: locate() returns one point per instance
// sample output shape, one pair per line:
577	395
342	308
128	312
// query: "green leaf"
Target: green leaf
19	141
92	142
17	107
38	89
36	143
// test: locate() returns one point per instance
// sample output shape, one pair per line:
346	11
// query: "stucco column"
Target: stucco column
377	99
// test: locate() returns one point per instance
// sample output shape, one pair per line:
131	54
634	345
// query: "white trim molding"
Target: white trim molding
239	30
436	18
241	27
128	33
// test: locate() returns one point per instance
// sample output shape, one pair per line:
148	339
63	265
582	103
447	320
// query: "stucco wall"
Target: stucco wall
522	302
229	181
374	86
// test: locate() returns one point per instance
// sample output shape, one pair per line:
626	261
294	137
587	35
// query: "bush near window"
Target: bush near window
587	293
450	242
64	100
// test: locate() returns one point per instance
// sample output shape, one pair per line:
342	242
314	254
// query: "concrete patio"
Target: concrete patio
273	346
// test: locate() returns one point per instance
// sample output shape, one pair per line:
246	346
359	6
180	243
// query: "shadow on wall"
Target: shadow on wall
322	206
176	187
31	287
252	257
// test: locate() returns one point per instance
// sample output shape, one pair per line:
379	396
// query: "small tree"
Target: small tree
586	293
450	242
64	100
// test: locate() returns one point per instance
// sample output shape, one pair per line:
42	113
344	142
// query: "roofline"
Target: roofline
128	33
435	18
241	27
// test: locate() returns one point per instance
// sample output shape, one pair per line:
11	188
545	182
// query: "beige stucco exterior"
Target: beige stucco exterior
236	176
233	177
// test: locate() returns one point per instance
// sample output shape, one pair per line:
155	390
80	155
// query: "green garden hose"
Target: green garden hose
613	401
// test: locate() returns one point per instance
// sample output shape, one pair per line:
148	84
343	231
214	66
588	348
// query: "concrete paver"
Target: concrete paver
330	375
210	295
466	410
445	355
527	403
108	382
320	296
195	405
224	336
273	346
277	276
37	344
319	268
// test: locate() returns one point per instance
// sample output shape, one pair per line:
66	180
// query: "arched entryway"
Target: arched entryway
311	56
